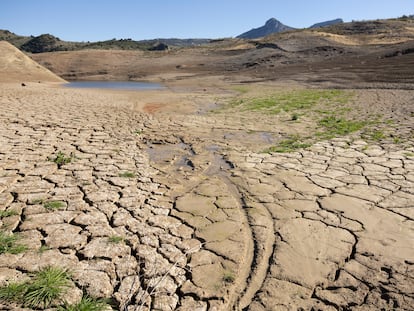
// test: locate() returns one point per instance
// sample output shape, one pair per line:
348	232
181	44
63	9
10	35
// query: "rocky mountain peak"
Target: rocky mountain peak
272	22
271	26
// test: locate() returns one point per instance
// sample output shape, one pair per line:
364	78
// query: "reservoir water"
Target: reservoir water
118	85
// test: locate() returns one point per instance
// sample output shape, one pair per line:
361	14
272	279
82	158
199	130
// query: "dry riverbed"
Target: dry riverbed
253	197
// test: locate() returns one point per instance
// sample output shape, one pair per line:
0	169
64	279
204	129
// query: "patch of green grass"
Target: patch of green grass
44	288
47	285
293	101
398	140
8	213
290	144
9	243
228	277
127	174
13	292
61	159
86	304
377	135
43	248
52	205
138	132
335	127
115	239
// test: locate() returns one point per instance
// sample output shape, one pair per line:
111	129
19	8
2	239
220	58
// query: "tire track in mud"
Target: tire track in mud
201	175
209	165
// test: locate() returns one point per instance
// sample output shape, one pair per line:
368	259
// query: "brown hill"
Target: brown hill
348	55
15	66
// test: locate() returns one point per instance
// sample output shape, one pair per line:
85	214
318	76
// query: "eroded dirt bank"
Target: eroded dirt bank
167	206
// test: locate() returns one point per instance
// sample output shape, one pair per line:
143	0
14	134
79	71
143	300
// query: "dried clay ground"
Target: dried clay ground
229	189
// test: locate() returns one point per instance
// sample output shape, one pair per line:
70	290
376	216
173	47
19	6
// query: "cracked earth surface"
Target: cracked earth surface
183	212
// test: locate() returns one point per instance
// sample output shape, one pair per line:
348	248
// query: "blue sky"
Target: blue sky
92	20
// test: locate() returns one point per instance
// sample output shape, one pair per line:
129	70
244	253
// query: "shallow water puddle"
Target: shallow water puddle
178	154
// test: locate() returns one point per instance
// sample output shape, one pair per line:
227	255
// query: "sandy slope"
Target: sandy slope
15	66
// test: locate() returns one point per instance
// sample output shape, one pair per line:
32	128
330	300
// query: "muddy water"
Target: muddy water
119	85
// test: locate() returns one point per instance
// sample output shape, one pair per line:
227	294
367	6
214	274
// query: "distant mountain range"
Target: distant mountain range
275	26
50	43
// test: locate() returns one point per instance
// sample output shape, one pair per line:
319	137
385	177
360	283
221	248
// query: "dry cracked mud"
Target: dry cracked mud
182	211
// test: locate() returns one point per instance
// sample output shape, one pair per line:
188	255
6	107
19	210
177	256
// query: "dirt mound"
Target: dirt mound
15	66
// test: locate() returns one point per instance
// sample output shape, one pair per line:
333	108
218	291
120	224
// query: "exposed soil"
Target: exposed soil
204	218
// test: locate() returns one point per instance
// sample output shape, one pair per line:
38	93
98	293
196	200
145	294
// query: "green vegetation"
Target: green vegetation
13	292
50	43
292	101
44	288
43	43
397	140
43	248
127	174
334	127
115	239
52	205
323	114
61	159
8	213
9	243
329	110
377	135
294	117
290	144
229	277
86	304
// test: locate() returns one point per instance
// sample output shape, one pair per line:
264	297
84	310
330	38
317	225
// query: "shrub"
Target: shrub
60	159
